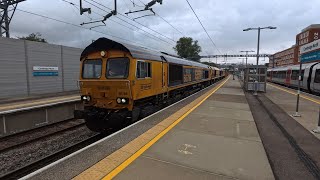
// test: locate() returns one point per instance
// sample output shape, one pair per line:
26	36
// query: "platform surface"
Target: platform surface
214	138
308	106
17	103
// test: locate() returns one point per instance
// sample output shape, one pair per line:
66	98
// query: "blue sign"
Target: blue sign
45	73
313	56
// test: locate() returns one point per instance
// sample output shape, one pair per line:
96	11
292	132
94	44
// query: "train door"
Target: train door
288	77
315	79
164	76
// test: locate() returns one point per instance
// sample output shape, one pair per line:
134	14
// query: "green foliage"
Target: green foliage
188	48
34	37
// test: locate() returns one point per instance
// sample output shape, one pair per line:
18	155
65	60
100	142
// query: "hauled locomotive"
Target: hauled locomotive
118	82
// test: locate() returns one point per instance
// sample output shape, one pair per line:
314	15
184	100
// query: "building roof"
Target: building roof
312	26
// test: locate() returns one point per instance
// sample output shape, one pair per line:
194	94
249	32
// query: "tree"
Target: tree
34	37
188	48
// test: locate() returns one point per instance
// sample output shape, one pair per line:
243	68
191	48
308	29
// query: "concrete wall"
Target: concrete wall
17	58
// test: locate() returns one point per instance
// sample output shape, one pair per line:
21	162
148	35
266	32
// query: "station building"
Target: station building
290	56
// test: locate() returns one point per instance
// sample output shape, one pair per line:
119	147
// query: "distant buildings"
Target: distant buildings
290	56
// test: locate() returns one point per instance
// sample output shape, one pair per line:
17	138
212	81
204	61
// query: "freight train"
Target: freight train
289	75
119	82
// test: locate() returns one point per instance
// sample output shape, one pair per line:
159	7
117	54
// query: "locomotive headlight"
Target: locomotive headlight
102	53
85	98
123	101
119	100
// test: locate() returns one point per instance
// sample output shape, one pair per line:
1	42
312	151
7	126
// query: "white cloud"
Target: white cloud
224	21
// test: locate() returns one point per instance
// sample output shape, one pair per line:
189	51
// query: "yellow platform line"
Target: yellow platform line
38	102
127	162
293	93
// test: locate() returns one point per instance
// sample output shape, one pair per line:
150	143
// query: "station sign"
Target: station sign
45	68
45	71
310	47
309	57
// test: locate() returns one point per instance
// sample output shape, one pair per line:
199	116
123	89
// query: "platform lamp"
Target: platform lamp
258	28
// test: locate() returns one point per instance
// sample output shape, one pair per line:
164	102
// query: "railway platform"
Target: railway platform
22	114
210	135
215	139
18	103
309	106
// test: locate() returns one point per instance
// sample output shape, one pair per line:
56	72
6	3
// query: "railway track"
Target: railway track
16	140
291	149
22	171
25	152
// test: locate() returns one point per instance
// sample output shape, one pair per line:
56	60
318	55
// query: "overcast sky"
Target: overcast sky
223	19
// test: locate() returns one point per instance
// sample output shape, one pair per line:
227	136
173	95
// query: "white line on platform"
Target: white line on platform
93	144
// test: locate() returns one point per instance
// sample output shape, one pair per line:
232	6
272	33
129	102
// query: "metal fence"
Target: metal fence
32	68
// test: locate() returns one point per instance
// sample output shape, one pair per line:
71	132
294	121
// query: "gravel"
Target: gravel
28	153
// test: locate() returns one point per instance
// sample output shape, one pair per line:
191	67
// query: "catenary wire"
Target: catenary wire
78	26
134	21
152	36
203	27
128	22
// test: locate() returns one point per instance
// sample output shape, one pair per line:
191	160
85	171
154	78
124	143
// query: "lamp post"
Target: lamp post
247	56
258	28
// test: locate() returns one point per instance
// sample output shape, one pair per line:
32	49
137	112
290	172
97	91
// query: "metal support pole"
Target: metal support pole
233	73
81	12
298	91
318	128
246	59
256	79
6	22
115	7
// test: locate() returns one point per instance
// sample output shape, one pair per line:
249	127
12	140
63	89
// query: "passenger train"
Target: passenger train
289	76
119	82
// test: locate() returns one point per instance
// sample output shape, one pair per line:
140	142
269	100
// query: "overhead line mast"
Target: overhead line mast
7	6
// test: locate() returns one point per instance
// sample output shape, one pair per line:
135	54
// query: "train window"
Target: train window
117	68
317	77
143	69
187	77
175	74
91	69
193	75
295	75
205	74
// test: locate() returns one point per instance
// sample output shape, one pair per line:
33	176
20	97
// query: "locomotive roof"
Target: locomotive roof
136	52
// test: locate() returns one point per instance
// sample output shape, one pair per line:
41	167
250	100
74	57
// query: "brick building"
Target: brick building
291	55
